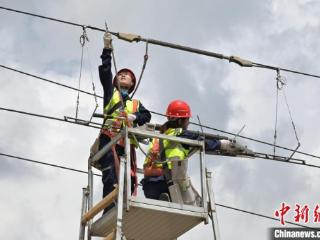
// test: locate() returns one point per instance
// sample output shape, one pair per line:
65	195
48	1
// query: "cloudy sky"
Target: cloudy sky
39	202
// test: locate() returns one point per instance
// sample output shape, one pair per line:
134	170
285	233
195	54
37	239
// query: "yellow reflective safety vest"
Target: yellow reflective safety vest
115	121
172	151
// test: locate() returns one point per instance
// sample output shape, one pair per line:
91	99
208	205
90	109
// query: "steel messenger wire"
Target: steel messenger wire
79	122
82	123
45	79
157	113
237	60
44	163
81	171
137	38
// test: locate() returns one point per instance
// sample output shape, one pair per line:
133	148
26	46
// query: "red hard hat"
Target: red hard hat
132	76
178	109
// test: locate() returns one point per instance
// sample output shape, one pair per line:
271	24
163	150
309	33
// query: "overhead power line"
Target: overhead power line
82	123
78	121
157	113
233	59
241	62
255	140
137	38
40	16
85	172
44	163
44	79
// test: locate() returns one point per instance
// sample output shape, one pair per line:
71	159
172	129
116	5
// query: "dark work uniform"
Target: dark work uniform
109	176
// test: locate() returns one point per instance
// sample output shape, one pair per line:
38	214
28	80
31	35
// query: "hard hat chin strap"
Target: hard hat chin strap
124	92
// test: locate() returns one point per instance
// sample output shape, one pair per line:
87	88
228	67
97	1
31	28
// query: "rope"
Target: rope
145	59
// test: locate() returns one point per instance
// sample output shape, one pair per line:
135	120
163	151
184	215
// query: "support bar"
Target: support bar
106	148
83	210
106	201
148	134
212	206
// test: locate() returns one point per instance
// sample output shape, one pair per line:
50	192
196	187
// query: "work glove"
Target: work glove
131	117
107	40
231	147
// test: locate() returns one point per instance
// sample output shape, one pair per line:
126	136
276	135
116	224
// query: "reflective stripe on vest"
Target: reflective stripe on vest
150	168
174	150
113	123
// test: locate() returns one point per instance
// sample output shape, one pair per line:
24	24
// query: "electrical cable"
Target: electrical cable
81	171
145	59
41	16
45	79
259	65
221	56
251	139
131	38
44	163
78	122
163	115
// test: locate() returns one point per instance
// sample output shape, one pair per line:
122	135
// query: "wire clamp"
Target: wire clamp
281	81
84	36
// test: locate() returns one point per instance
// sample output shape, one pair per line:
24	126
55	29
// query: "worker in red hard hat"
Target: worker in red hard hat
166	163
119	110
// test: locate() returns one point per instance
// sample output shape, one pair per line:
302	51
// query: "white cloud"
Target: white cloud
41	200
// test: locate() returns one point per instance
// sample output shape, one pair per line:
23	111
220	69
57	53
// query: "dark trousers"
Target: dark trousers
109	176
153	187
